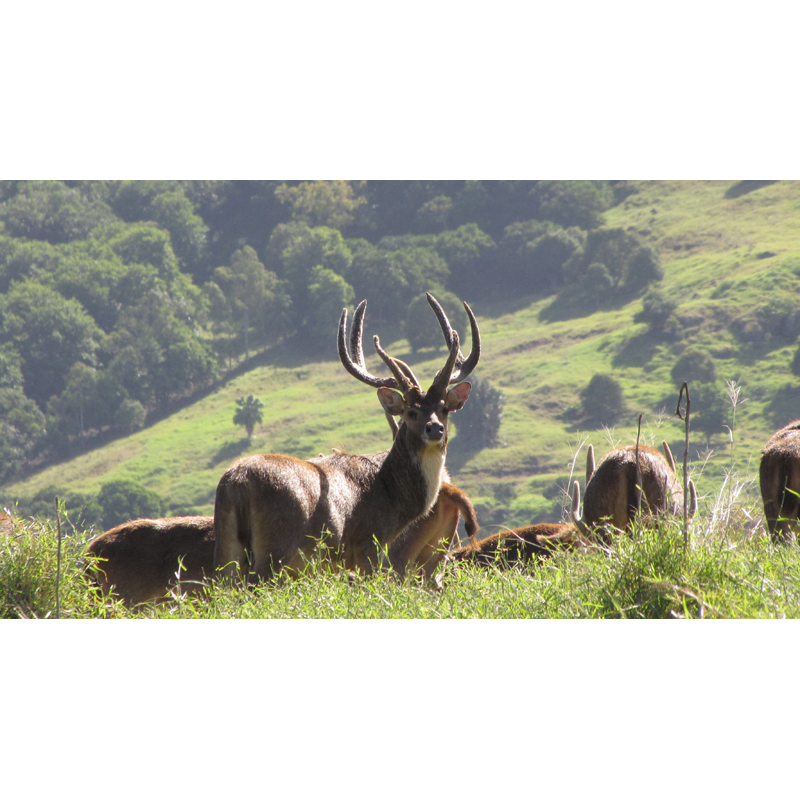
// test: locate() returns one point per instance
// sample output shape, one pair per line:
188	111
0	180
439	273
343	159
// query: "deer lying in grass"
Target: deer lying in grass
779	477
517	546
615	493
143	559
272	511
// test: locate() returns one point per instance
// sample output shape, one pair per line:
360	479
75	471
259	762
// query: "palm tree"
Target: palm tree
248	413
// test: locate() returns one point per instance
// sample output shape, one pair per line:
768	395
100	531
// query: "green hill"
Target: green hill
731	258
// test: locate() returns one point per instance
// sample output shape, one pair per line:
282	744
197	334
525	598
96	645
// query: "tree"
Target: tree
328	294
51	211
327	203
421	326
50	333
478	422
568	203
391	279
694	366
658	312
602	399
248	413
124	500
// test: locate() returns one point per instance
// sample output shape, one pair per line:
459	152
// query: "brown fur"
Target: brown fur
611	491
520	545
6	524
272	511
137	561
779	476
423	544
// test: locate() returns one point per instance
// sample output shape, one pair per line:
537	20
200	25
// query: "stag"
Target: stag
273	511
143	559
779	476
618	489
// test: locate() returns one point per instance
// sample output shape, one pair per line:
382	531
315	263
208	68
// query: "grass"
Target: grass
730	570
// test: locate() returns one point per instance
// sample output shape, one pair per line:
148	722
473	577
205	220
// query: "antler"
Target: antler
354	362
357	367
403	377
463	366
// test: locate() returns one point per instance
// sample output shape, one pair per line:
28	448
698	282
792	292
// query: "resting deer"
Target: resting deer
272	511
138	560
614	492
516	546
779	476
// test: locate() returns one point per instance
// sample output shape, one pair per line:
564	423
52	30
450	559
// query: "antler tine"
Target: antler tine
464	366
357	349
403	381
444	376
357	368
356	335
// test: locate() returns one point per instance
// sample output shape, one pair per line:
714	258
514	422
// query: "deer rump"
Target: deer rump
779	479
138	560
611	491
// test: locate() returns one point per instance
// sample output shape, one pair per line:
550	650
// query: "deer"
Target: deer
273	511
143	559
616	489
518	546
779	478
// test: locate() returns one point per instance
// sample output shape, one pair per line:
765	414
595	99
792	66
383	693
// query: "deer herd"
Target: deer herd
397	510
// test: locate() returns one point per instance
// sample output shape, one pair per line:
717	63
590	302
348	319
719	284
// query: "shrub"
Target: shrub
694	366
124	500
478	422
602	399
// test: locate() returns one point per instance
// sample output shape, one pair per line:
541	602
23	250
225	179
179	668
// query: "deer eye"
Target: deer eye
412	414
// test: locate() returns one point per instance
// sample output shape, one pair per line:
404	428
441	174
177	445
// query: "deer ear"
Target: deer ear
457	396
392	401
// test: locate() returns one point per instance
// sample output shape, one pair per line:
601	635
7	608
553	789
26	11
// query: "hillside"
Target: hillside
731	262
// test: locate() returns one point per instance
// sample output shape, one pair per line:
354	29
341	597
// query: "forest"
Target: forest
121	301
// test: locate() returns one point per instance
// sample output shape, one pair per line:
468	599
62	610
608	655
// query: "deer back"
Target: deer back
779	479
517	546
138	560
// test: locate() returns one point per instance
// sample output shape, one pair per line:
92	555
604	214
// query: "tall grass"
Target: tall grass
730	570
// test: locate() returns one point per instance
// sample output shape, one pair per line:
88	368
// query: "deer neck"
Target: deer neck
415	474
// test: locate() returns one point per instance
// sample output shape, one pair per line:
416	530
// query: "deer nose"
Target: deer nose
434	431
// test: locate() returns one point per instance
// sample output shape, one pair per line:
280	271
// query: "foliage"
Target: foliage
51	211
694	366
421	326
567	203
658	312
248	413
124	500
391	279
612	264
478	422
602	399
328	294
49	332
322	203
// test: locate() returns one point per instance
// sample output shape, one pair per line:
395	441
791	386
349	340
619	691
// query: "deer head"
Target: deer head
423	414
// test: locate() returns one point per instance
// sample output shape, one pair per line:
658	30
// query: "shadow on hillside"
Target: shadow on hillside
569	305
638	350
784	406
745	187
229	452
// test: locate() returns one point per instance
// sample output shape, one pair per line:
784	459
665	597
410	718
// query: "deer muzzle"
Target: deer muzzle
434	431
